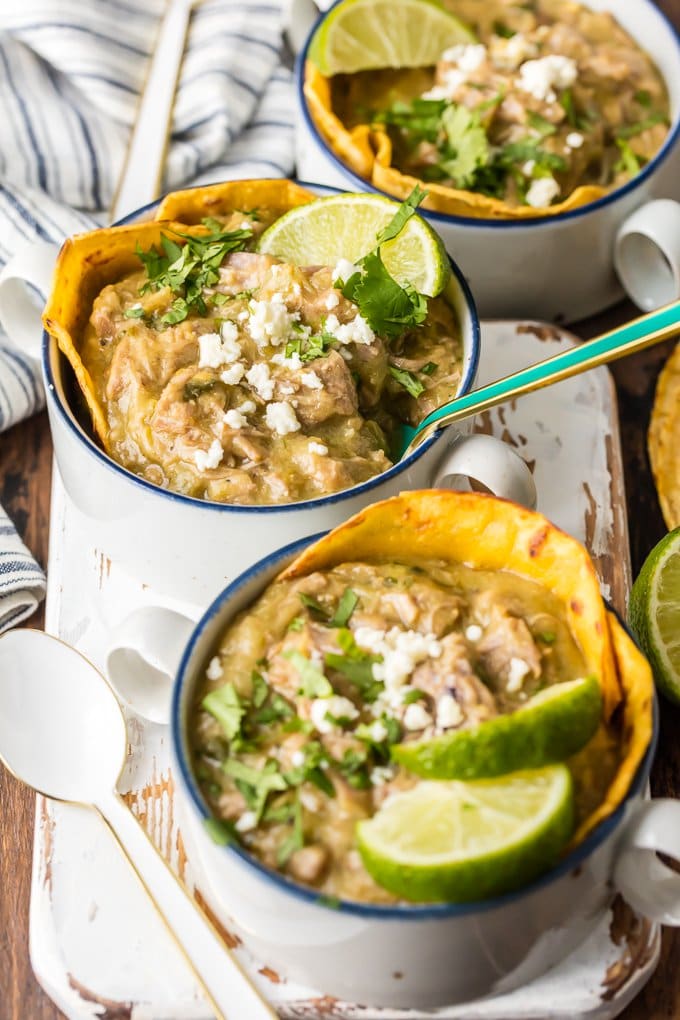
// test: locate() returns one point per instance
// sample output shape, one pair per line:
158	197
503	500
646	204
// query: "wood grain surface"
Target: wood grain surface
25	468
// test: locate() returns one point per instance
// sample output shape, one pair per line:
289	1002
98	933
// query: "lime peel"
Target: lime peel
459	842
654	613
554	724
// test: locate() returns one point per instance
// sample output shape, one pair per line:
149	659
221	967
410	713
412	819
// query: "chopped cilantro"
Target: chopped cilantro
420	119
137	312
187	270
407	380
311	347
502	30
387	307
430	368
548	637
313	684
255	784
295	840
628	161
520	152
296	624
356	665
329	901
314	606
468	146
260	689
346	606
403	214
312	769
298	725
540	124
643	97
414	695
252	214
353	766
220	298
277	709
221	832
196	386
225	705
282	811
630	130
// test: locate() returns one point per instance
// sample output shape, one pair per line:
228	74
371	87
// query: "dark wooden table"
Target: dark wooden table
25	468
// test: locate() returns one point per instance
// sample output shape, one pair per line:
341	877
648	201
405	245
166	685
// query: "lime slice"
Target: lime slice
363	35
465	841
551	726
654	613
346	226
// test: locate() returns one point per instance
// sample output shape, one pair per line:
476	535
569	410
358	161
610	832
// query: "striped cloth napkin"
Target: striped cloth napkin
70	77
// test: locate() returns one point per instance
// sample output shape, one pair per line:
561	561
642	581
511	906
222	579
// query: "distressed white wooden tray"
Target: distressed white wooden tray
96	944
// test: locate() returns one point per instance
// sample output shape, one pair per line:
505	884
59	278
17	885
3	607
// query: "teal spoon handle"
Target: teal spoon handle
633	336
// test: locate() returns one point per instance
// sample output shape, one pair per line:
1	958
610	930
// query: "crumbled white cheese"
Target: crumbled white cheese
311	380
292	361
416	717
449	712
574	139
335	705
270	321
332	301
318	448
259	377
228	332
356	331
473	632
309	800
296	289
242	316
216	350
247	822
377	730
452	79
232	376
401	650
540	77
467	56
214	670
508	54
235	419
297	758
516	673
542	192
247	407
286	388
529	167
208	459
280	418
344	270
381	774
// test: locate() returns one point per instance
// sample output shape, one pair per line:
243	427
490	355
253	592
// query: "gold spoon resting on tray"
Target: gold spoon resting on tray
627	339
62	732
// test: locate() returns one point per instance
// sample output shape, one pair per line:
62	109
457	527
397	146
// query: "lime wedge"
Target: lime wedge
551	726
458	842
654	613
363	35
346	226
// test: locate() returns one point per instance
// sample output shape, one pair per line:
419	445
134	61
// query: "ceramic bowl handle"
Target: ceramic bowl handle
646	884
490	462
299	17
143	656
647	254
32	265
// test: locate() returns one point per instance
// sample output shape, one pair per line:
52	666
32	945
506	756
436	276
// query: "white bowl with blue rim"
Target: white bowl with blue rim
414	956
560	268
185	548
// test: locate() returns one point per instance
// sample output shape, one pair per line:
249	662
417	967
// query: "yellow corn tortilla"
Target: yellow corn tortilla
492	534
192	204
663	440
88	262
368	152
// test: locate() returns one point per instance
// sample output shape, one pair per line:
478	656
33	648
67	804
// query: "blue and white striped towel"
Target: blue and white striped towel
70	77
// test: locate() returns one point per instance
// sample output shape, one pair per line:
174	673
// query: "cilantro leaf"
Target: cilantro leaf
407	380
346	606
225	705
419	120
628	161
295	840
356	665
467	143
255	785
540	124
630	130
312	769
221	832
314	606
429	368
388	308
296	624
353	766
313	684
136	312
643	97
260	689
503	30
276	710
401	217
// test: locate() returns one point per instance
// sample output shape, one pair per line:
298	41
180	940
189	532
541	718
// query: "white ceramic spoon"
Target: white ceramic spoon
63	733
